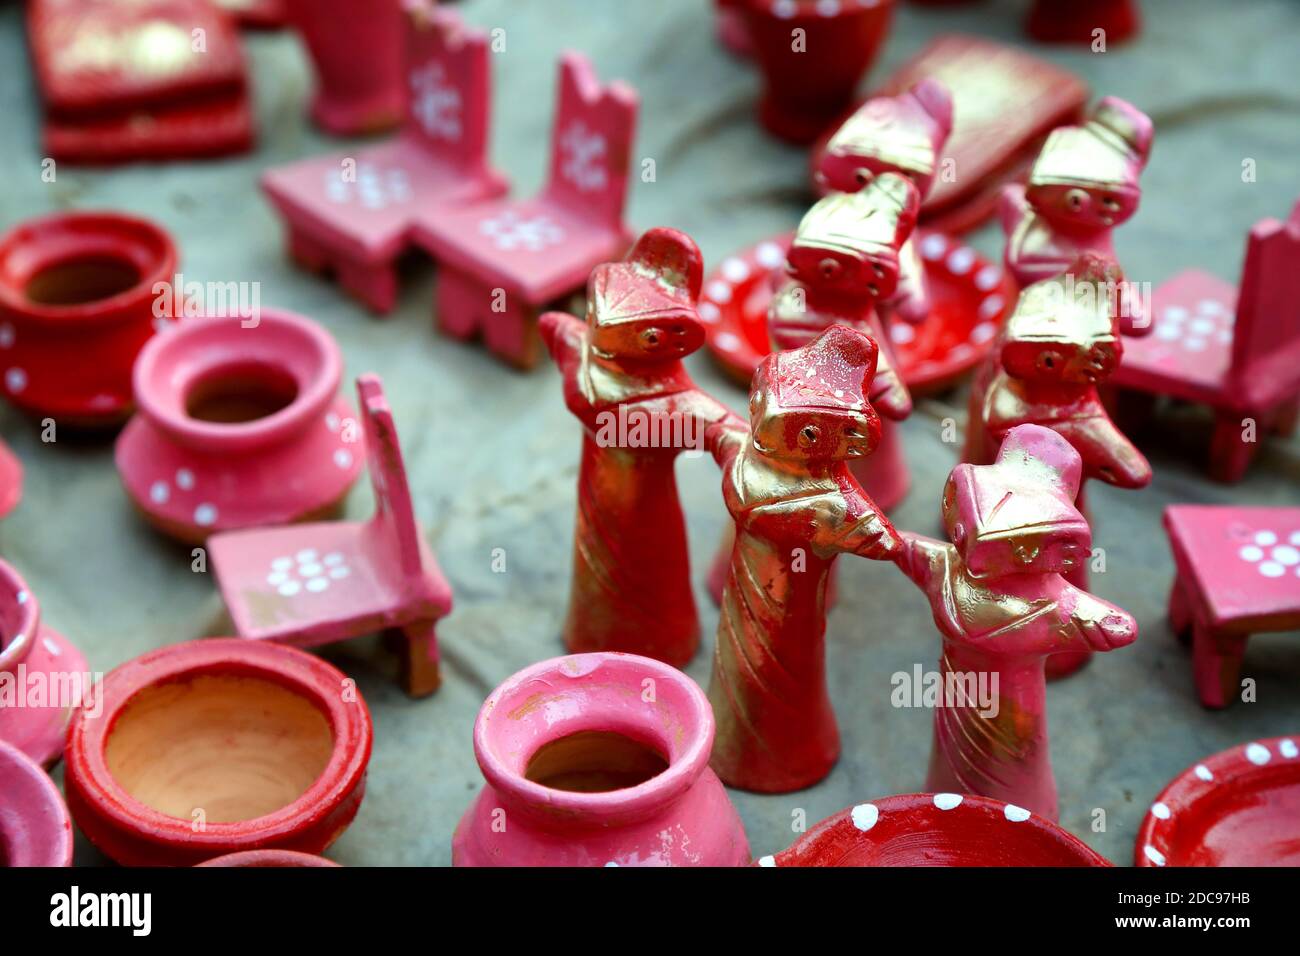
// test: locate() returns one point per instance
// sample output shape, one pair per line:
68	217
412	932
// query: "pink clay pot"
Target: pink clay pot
35	829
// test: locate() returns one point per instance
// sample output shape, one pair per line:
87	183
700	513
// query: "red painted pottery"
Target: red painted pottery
35	829
11	480
263	859
936	829
598	760
217	746
1069	21
255	14
1237	808
970	297
43	678
77	303
239	425
812	54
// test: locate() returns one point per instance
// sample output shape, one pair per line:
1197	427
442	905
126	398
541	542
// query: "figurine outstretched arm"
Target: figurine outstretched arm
889	394
724	439
1106	452
866	531
1012	207
921	558
1094	623
563	335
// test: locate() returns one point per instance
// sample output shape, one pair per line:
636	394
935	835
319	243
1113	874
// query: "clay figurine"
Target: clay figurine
796	507
624	380
1001	603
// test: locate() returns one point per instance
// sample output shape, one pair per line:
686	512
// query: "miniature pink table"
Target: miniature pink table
1238	573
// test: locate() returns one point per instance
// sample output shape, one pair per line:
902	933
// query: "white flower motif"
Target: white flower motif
1270	558
435	103
307	571
373	188
509	230
583	163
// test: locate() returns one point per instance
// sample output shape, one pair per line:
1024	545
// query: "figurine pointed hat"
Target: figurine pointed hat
660	278
1074	309
1017	515
1109	150
877	219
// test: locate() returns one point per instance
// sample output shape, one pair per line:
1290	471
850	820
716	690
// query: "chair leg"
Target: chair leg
307	252
1216	665
511	334
458	310
418	671
1180	611
374	285
1230	454
1286	418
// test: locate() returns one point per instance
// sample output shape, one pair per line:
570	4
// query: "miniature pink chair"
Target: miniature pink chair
541	249
353	212
1246	366
1238	573
312	584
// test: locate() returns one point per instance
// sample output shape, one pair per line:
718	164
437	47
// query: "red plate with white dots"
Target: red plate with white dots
971	296
1237	808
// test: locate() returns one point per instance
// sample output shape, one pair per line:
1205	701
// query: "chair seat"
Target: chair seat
1243	562
531	247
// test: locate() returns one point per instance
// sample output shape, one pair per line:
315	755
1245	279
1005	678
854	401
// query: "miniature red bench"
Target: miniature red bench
312	584
1238	573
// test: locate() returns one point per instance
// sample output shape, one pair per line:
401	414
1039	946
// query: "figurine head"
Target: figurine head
1017	515
889	134
848	243
810	403
1087	175
1063	329
643	308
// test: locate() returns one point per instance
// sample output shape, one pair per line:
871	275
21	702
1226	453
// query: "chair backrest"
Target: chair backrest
1266	339
394	513
591	142
449	85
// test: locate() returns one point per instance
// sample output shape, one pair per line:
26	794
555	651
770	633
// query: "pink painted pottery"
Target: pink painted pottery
11	480
77	303
264	859
356	47
239	426
211	747
42	676
936	829
598	760
35	829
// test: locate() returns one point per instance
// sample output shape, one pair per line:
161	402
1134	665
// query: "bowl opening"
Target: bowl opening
218	748
82	280
240	392
594	761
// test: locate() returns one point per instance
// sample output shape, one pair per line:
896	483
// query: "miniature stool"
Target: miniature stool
1238	573
353	212
501	262
312	584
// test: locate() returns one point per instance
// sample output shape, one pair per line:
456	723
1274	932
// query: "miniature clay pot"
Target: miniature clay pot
809	78
598	760
936	829
35	829
269	859
11	480
217	746
42	676
239	427
77	303
357	49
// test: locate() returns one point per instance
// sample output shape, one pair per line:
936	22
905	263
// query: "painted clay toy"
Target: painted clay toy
240	424
43	677
812	55
598	760
1239	354
1236	808
1083	184
1002	605
1067	21
269	859
796	507
353	212
1059	344
313	584
35	828
1237	573
11	480
500	262
256	14
625	382
79	298
356	48
936	829
216	746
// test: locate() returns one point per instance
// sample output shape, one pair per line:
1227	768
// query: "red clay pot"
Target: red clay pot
239	427
77	303
35	829
269	858
217	746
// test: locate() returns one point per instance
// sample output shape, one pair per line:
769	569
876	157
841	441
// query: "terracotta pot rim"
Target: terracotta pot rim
14	591
162	401
49	815
687	757
122	307
268	858
291	668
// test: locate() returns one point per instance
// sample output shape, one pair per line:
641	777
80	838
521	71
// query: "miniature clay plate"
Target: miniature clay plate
936	829
1237	808
970	296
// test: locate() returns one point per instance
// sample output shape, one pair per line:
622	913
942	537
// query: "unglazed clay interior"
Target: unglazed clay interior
240	393
81	280
234	747
594	761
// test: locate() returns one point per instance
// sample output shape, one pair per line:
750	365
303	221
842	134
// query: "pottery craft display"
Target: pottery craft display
35	829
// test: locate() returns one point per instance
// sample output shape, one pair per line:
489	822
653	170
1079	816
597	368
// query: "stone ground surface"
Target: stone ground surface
493	454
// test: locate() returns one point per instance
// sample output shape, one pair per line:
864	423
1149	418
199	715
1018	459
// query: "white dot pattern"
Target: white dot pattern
307	571
1271	559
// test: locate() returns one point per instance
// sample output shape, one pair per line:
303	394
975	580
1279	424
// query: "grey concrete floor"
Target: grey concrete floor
493	453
